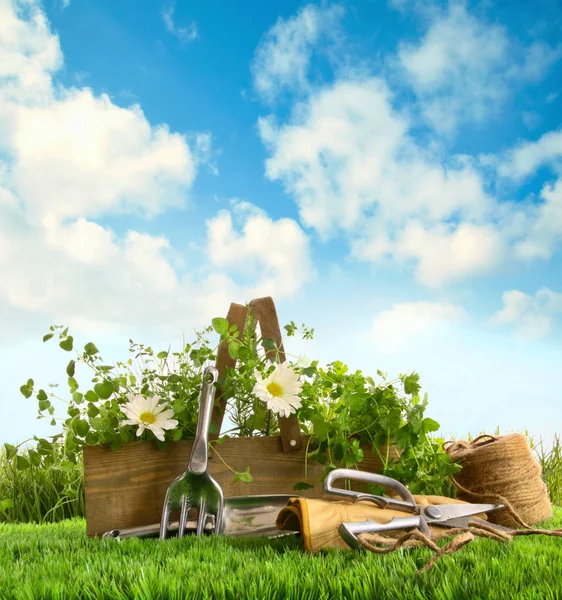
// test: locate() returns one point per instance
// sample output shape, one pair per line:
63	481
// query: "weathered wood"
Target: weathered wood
126	488
269	327
237	314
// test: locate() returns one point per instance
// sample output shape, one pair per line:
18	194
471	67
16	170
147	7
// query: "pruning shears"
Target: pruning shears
445	515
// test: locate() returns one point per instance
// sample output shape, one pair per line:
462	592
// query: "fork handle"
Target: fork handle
199	452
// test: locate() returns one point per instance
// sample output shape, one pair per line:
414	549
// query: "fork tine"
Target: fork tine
202	516
219	515
185	506
165	519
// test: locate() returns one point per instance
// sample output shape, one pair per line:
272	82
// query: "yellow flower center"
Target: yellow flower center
148	418
275	389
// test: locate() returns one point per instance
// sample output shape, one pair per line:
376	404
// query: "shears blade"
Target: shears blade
437	514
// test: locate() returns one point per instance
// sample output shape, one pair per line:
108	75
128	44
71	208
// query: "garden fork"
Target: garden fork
195	488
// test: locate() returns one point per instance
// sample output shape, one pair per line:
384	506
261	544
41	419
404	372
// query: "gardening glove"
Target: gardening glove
318	520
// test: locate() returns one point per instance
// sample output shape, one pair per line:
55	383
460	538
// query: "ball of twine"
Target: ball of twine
501	470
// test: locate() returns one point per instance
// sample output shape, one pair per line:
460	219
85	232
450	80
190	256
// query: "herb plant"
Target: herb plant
342	411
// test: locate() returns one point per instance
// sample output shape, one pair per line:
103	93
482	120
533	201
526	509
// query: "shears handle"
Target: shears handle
407	504
350	531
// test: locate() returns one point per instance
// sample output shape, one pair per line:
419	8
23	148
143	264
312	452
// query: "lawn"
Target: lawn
59	561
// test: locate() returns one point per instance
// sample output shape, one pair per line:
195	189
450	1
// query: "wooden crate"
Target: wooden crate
127	488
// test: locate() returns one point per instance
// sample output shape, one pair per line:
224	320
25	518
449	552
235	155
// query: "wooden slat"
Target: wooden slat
269	327
236	316
127	488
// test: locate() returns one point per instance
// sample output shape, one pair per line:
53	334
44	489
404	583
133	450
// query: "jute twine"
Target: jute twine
501	470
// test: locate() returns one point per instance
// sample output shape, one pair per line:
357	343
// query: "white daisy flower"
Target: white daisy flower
303	361
148	414
279	390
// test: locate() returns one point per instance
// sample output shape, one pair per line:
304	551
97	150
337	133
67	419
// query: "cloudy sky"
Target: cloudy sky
390	172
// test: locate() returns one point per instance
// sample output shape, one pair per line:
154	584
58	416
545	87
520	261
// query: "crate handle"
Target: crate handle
266	314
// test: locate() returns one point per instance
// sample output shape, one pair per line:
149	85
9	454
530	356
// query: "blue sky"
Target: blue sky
388	171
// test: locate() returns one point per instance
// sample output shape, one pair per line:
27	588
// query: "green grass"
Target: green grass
47	490
59	561
551	465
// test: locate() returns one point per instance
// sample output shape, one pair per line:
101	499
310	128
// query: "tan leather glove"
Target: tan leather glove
318	520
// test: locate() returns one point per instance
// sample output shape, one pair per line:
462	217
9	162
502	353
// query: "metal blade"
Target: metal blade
441	513
466	521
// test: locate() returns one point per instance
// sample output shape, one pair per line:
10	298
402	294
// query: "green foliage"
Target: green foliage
343	411
40	485
550	462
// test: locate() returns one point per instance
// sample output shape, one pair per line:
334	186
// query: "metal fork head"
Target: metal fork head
196	488
193	490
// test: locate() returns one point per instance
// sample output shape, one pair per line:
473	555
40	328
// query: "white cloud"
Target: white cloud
283	56
539	218
413	324
347	159
70	158
277	249
532	316
527	157
185	34
447	253
464	68
82	155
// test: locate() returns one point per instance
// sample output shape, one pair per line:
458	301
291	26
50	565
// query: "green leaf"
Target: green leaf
429	425
92	438
47	337
162	354
26	390
104	389
5	504
67	466
34	458
233	349
80	427
22	463
78	397
93	411
67	344
41	395
70	368
309	371
72	384
90	349
269	344
10	450
220	325
53	422
320	428
245	476
73	411
44	447
91	396
44	404
302	485
411	384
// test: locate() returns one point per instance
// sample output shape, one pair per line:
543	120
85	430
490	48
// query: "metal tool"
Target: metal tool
446	515
196	488
251	516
